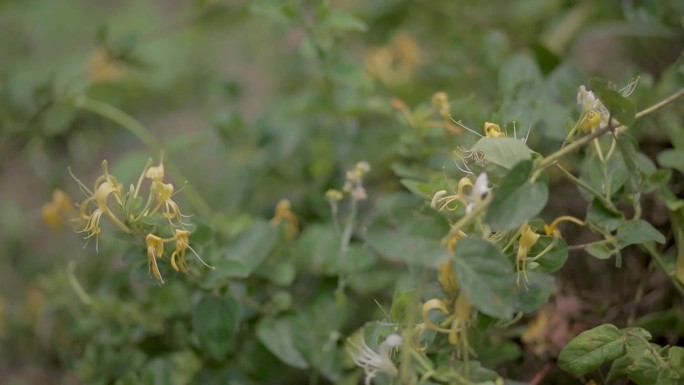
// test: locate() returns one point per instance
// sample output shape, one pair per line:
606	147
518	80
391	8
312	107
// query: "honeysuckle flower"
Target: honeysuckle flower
283	213
155	173
163	193
155	250
55	211
447	278
105	186
592	111
492	130
182	238
552	228
458	319
334	195
467	193
462	311
440	103
528	238
478	192
374	362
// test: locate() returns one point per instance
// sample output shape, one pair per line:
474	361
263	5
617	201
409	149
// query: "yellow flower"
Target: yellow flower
592	115
156	173
334	195
492	130
102	67
182	238
155	250
163	193
550	229
283	212
440	103
57	210
528	238
371	361
458	320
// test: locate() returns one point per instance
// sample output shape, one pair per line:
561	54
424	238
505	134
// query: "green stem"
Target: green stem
78	289
661	264
578	182
141	132
660	104
477	210
549	160
344	242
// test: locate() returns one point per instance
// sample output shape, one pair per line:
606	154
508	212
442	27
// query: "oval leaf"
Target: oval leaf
591	348
486	276
277	336
215	322
638	231
516	200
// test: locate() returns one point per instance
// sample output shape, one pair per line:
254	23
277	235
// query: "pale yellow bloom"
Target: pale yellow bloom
440	102
163	193
155	250
528	238
182	238
492	130
55	212
156	173
371	361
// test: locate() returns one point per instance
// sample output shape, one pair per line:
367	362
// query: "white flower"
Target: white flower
371	361
478	193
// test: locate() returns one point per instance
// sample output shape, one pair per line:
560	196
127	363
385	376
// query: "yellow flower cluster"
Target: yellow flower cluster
125	210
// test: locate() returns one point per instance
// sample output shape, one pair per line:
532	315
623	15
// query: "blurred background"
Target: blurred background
256	101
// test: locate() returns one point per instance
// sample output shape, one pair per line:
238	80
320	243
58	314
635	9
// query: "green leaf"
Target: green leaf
638	231
520	78
672	158
277	335
58	118
486	276
628	146
603	217
344	21
402	302
553	260
215	321
516	200
599	250
405	247
500	155
591	348
536	292
253	245
620	107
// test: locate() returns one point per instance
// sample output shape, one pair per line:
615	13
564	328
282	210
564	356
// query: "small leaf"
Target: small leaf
520	78
486	276
277	335
620	107
638	231
603	217
253	245
628	146
591	348
553	260
672	158
401	305
215	322
501	154
344	21
599	250
409	248
535	293
516	200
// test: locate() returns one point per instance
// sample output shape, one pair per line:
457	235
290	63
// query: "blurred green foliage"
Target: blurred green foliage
253	102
